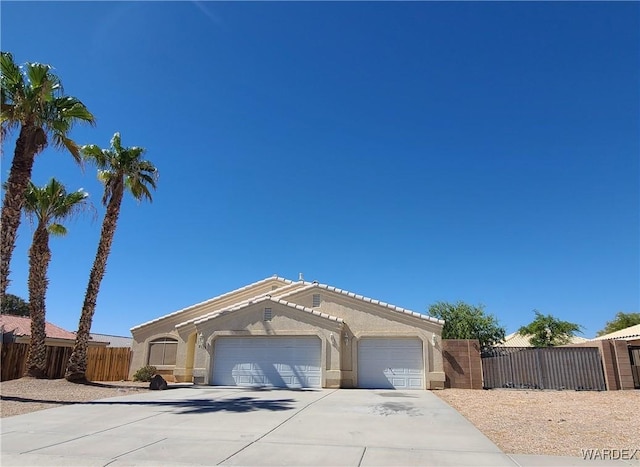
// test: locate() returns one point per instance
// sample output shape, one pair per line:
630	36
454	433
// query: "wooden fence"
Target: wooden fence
108	363
547	368
103	363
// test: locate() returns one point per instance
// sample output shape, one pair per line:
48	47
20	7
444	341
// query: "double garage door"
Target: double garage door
295	362
292	362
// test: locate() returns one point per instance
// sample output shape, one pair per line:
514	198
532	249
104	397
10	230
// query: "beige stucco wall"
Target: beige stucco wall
363	319
140	348
166	326
285	322
196	342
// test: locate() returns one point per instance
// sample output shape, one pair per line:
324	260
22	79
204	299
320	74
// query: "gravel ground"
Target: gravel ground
24	395
551	422
518	421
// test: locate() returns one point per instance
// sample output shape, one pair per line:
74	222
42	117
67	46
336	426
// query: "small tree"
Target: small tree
549	331
14	305
621	321
464	321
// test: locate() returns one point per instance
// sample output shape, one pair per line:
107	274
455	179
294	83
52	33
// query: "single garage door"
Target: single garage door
390	363
284	362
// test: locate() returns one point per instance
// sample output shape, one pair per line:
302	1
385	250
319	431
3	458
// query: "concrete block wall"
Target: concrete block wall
462	363
615	362
623	364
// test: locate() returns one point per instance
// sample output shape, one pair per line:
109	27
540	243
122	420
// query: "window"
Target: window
163	351
316	300
267	314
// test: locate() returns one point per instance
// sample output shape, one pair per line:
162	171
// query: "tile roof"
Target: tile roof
21	326
266	298
389	306
239	304
224	295
632	332
291	288
517	340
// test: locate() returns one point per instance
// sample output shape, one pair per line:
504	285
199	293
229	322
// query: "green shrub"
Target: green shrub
145	373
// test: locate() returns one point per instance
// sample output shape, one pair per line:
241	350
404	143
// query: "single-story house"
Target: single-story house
18	329
283	333
518	340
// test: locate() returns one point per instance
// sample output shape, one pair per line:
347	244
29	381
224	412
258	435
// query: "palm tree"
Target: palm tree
118	169
47	205
33	100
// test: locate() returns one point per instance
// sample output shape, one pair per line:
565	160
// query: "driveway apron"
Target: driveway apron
235	426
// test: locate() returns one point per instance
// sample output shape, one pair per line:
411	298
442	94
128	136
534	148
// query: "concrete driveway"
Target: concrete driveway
232	426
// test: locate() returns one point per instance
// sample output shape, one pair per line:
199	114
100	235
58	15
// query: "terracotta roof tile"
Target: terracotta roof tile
21	326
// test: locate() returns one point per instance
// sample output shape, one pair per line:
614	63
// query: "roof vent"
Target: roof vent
300	277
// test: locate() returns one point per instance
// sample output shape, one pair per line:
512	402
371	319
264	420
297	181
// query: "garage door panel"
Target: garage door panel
267	361
388	363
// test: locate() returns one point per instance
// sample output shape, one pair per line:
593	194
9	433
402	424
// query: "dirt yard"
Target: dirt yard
551	422
24	395
518	421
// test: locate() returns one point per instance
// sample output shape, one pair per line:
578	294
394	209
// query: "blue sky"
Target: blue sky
412	152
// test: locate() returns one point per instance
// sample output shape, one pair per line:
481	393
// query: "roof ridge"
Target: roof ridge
307	286
217	297
264	298
374	301
234	305
308	310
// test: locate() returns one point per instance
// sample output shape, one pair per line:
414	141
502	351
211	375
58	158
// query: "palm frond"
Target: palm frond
122	166
11	75
58	230
33	94
51	203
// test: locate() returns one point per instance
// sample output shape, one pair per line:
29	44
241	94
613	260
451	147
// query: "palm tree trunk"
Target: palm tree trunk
77	366
31	141
39	257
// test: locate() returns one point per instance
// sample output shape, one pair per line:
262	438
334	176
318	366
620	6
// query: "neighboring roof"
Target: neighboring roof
224	295
515	340
518	340
269	299
113	341
632	332
21	326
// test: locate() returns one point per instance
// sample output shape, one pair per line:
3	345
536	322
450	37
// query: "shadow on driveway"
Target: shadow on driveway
189	406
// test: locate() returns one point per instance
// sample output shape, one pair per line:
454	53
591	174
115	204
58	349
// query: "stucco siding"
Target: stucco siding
340	319
285	321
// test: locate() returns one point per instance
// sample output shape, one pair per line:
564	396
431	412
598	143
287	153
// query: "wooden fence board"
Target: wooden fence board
103	363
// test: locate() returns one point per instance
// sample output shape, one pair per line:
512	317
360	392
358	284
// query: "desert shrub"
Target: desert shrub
145	373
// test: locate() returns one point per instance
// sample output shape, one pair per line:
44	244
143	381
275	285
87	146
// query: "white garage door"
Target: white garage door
292	362
390	363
